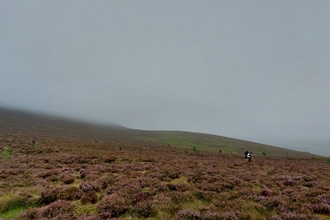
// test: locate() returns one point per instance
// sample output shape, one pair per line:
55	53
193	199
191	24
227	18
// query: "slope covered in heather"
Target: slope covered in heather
34	125
78	170
65	178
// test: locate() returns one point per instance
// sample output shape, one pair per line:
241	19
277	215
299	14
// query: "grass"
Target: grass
213	143
162	215
254	209
11	205
145	189
12	213
182	179
84	209
195	205
327	160
7	151
173	140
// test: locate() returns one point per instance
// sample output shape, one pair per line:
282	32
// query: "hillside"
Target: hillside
23	122
134	174
41	125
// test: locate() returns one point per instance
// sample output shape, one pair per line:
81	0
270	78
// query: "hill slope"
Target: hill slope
23	122
178	175
41	125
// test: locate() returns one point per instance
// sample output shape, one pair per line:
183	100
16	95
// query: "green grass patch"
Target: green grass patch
195	205
19	184
11	205
145	189
182	179
34	192
207	142
255	186
327	160
6	152
84	209
253	209
12	213
183	140
324	217
163	215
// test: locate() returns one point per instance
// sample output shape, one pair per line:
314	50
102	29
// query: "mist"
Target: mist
252	70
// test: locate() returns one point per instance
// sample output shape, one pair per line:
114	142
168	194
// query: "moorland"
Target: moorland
79	170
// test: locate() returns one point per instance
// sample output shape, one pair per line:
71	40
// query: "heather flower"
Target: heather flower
270	202
288	192
188	214
159	188
92	176
86	186
112	206
49	196
142	196
103	182
56	209
145	208
297	178
89	197
82	173
87	217
325	198
275	217
229	216
182	187
308	178
289	182
319	208
266	192
31	213
295	216
209	215
67	179
69	193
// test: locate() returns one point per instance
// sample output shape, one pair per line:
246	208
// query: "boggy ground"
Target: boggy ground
72	179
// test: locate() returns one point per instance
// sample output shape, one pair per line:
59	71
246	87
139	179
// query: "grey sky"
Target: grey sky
253	70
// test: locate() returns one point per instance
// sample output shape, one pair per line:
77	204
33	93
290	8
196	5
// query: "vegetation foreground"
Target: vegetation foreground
73	179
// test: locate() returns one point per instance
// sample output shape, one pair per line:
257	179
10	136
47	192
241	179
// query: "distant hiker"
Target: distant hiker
220	151
33	142
120	148
246	153
249	156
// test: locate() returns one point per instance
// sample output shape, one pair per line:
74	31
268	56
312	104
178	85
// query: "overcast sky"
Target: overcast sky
253	70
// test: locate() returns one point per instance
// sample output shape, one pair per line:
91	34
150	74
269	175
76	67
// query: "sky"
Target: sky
256	70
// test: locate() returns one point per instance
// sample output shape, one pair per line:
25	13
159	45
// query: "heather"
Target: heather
70	178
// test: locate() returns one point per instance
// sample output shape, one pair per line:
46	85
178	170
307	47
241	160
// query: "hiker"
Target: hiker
33	142
246	153
249	156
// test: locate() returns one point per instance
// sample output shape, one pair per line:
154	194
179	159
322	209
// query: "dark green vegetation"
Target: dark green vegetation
131	174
